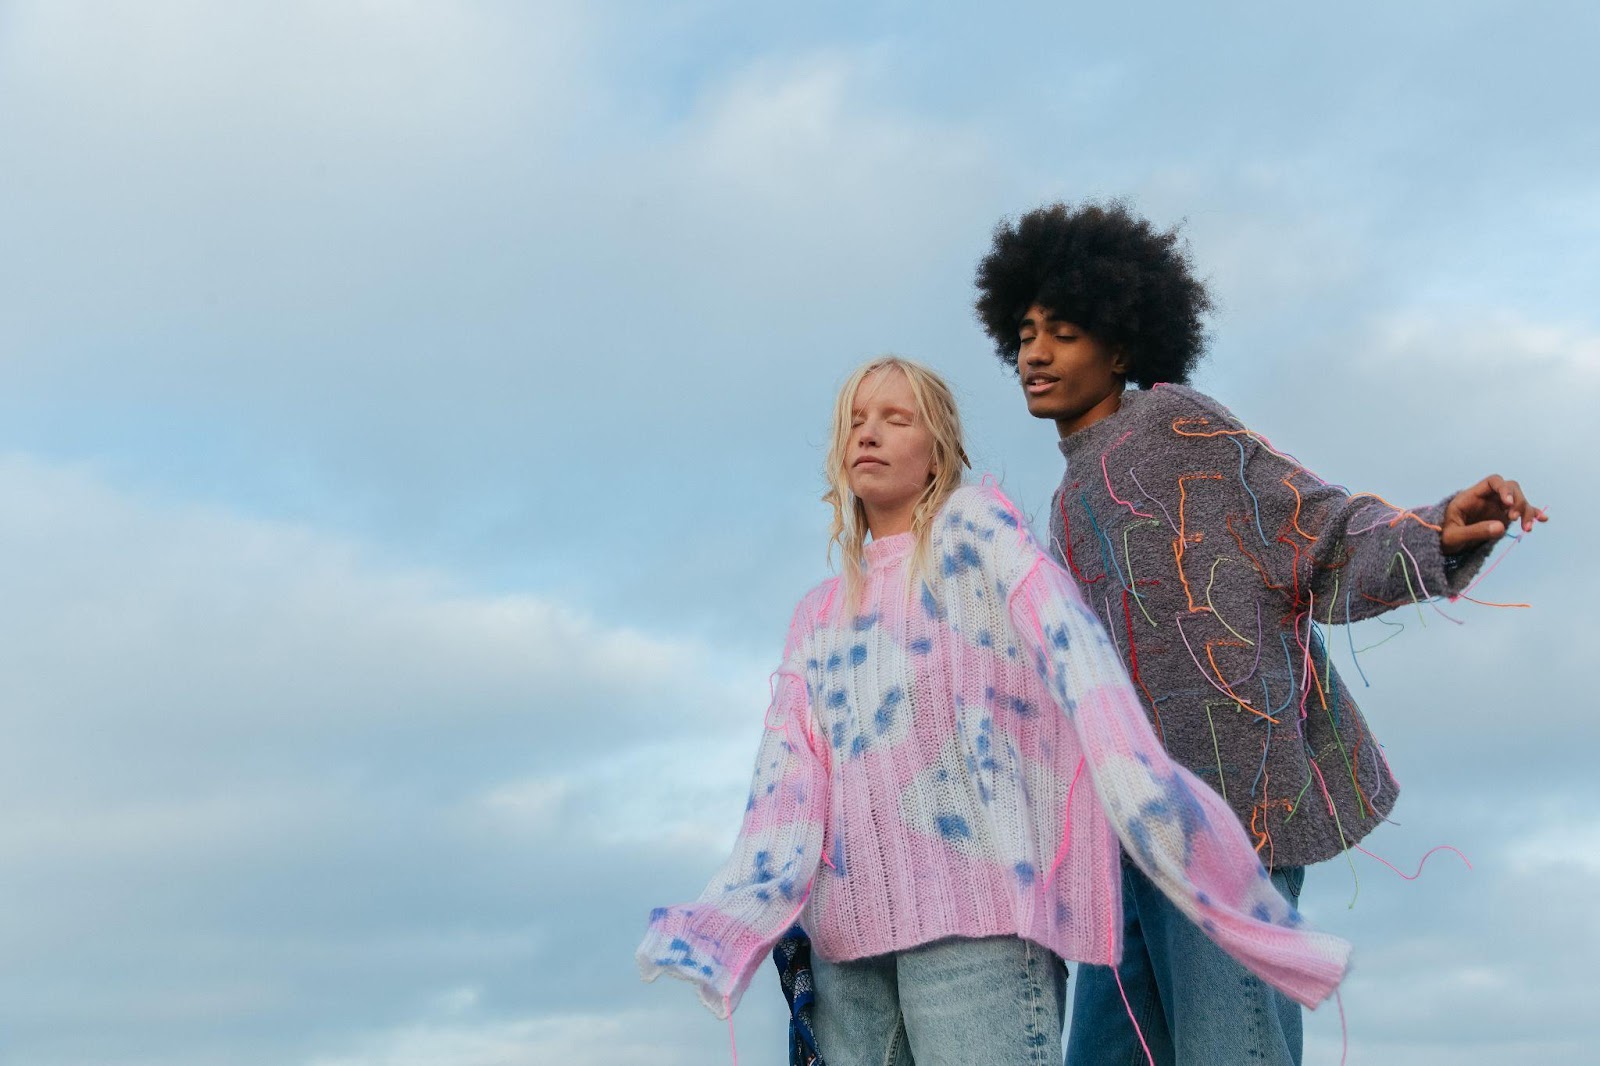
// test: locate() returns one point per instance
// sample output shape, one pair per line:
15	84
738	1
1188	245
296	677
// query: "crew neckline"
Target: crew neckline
881	550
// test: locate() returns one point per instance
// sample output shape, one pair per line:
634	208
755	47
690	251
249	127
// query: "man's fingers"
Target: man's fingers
1479	532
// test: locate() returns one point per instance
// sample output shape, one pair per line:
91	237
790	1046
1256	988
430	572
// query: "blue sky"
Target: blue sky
410	427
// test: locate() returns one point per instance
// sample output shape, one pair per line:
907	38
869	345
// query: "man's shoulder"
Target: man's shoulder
1182	400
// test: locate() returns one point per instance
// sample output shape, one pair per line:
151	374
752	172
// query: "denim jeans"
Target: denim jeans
997	1001
1194	1004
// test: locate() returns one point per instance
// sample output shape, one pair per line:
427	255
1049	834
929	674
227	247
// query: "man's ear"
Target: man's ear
1119	362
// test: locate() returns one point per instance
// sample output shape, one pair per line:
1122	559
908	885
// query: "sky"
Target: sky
411	419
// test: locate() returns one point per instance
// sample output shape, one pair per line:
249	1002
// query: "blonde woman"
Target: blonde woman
953	762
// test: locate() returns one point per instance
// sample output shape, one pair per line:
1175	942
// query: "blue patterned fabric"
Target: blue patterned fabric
792	956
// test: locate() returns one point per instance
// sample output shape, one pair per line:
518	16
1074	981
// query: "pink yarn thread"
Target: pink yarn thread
1420	864
1066	830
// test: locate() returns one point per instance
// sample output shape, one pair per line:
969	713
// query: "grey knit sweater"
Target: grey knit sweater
1215	562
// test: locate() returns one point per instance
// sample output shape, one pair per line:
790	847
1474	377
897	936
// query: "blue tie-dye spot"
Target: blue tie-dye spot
1177	805
750	803
1261	913
952	827
1210	927
812	664
1063	913
921	646
858	745
858	655
679	944
836	856
1293	919
954	520
1059	637
930	604
865	622
657	913
942	775
707	970
763	867
883	718
838	734
988	692
837	698
1022	707
1005	516
1011	650
771	788
964	558
985	639
763	895
835	661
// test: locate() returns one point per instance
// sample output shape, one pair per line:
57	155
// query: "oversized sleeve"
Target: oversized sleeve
1174	827
717	942
1343	556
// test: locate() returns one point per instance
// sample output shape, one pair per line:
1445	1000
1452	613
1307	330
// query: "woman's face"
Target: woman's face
889	460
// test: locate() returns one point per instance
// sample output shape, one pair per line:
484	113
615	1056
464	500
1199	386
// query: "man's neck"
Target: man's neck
1107	407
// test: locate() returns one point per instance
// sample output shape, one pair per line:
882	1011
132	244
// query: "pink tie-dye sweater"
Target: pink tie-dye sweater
960	756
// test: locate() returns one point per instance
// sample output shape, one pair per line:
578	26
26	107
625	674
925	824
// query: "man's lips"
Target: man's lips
1037	384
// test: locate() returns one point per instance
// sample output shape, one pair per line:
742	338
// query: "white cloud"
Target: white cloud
620	1039
259	759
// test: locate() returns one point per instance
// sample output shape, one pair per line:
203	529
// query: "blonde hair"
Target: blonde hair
936	408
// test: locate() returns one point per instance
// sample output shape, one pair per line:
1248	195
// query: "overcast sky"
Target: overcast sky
410	426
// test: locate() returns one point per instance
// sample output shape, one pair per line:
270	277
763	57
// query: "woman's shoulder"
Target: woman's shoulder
979	525
818	602
979	507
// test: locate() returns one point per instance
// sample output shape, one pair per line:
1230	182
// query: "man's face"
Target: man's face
1066	374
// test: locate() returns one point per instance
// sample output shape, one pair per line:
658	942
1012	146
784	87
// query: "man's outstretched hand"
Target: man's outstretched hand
1484	513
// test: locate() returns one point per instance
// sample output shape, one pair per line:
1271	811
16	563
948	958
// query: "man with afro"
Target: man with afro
1215	560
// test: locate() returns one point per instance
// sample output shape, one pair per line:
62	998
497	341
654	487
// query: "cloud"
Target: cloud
254	772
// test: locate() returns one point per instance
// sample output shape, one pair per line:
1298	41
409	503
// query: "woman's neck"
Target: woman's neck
890	521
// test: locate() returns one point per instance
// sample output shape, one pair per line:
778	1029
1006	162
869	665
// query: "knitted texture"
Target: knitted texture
958	756
1215	560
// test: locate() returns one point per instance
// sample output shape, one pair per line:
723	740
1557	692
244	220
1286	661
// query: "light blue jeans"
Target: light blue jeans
995	1001
1194	1004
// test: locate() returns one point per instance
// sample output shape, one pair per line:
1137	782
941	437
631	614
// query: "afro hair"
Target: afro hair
1106	270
